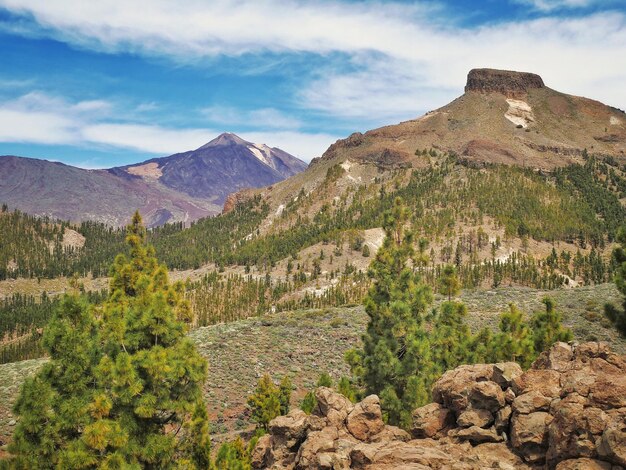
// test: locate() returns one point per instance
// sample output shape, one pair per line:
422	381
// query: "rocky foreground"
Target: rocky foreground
567	412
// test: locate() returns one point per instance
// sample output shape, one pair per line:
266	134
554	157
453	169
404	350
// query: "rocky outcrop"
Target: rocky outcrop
509	83
568	412
237	198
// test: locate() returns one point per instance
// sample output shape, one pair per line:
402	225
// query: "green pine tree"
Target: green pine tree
149	410
265	402
547	327
55	405
395	361
449	284
615	314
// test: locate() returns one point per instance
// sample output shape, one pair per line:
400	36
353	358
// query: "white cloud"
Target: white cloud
549	5
403	59
39	118
268	118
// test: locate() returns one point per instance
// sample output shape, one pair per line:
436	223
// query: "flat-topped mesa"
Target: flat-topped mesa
507	82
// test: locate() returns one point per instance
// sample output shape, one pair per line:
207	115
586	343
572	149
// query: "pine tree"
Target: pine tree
395	362
149	410
56	405
515	341
265	402
615	314
449	284
547	327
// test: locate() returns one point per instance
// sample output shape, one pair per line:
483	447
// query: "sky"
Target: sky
107	83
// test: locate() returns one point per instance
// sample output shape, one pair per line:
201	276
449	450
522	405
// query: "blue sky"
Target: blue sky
99	84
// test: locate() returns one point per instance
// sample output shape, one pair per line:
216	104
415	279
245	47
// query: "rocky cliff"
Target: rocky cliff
506	82
568	411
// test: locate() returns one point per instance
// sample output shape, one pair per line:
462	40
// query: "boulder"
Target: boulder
480	418
583	464
332	405
529	435
612	443
503	419
530	402
477	435
430	420
366	419
261	454
290	428
486	396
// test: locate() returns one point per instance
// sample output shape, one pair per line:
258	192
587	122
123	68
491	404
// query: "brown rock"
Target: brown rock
316	444
366	419
505	372
612	444
583	464
453	388
547	382
477	435
486	396
480	418
290	429
391	433
509	83
332	405
530	402
558	357
430	420
261	454
529	434
503	419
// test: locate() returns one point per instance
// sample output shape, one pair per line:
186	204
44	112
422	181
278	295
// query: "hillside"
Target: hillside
179	188
238	352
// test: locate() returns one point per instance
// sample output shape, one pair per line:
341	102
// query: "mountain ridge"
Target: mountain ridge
178	188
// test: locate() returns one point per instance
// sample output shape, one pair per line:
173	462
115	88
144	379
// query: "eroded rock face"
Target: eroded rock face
509	83
562	413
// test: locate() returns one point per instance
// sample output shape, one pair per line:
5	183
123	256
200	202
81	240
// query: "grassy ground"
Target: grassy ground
305	343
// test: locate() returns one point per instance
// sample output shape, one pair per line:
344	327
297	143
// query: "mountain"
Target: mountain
503	117
182	187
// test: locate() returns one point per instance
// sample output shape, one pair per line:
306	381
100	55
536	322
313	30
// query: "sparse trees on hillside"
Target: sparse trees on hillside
615	314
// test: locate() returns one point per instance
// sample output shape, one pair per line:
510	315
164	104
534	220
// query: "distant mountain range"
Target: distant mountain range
179	188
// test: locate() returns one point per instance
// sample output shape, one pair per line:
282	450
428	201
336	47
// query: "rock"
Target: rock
558	357
529	434
503	419
316	444
530	402
574	429
480	418
477	435
453	388
430	420
332	406
505	372
547	382
365	419
391	433
486	396
290	428
563	413
583	464
612	444
509	83
12	422
261	454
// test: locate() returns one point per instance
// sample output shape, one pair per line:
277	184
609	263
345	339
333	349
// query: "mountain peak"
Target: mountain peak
507	82
226	138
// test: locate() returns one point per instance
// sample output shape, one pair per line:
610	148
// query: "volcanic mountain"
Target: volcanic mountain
503	117
181	187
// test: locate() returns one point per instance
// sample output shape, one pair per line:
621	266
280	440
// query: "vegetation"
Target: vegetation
122	388
615	314
405	347
269	400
